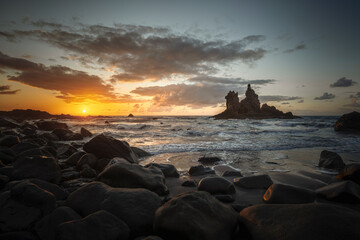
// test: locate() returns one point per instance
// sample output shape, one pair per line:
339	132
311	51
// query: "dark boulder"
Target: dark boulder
280	193
42	167
87	172
3	180
348	123
130	115
49	136
350	172
200	170
195	216
74	158
127	175
99	225
140	153
65	151
216	185
46	228
9	140
345	191
209	160
108	147
23	235
89	159
7	124
85	133
252	182
136	207
189	183
50	125
7	155
331	160
312	221
167	169
21	147
231	173
62	134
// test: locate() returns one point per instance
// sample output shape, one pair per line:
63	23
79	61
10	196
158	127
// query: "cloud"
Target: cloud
343	82
69	82
356	95
355	101
223	80
301	46
300	101
325	96
5	89
285	103
8	36
143	53
278	98
191	95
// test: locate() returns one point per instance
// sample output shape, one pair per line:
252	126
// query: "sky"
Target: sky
179	57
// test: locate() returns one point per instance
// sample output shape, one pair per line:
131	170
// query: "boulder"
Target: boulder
348	122
62	134
99	225
7	155
74	158
3	180
312	221
216	185
22	147
9	140
345	192
231	173
256	181
136	207
46	228
18	236
127	175
130	115
50	125
189	183
350	172
65	151
200	170
42	167
108	147
89	159
167	169
209	160
140	153
280	193
7	124
87	171
331	160
85	133
195	215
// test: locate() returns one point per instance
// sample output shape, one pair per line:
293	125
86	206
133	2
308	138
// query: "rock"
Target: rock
150	238
189	183
200	170
130	115
21	114
21	147
69	175
7	124
108	147
297	180
348	123
167	169
65	151
99	225
46	227
3	180
62	134
350	172
9	140
140	153
7	155
85	133
18	236
49	136
313	221
256	181
249	107
331	160
74	158
50	125
209	160
136	207
75	137
126	175
230	173
280	193
89	159
345	192
87	172
216	185
193	216
7	171
42	167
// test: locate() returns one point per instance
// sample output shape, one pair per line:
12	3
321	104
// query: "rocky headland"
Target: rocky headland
53	186
249	107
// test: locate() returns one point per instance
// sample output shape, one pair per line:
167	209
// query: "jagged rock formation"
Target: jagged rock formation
249	107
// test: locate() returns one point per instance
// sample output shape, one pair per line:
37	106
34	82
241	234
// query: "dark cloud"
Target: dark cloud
343	82
277	98
325	96
301	46
142	53
5	89
67	81
194	96
222	80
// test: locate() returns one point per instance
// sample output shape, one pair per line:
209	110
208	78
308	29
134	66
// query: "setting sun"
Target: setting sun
84	110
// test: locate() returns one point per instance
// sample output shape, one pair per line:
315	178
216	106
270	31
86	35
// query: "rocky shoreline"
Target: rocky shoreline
54	188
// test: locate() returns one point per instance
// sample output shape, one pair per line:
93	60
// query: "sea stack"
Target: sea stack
249	107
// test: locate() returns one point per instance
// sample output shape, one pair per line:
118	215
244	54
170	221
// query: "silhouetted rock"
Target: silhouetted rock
50	125
312	221
219	187
200	170
7	124
350	172
209	160
280	193
140	152
348	123
130	115
74	158
195	216
249	107
232	173
85	133
9	140
344	191
167	169
331	160
108	147
256	181
20	114
99	225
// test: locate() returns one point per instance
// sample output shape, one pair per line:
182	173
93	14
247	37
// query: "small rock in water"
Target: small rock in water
209	160
231	173
200	170
130	115
348	122
257	181
85	133
331	160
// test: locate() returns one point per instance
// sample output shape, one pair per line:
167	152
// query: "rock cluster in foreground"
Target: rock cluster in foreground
249	107
51	188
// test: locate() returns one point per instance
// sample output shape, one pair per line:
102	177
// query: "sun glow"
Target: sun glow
84	111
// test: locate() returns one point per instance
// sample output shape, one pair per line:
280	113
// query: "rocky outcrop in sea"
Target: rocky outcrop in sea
249	107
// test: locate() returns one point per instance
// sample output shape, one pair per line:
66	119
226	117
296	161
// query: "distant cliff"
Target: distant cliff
249	107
